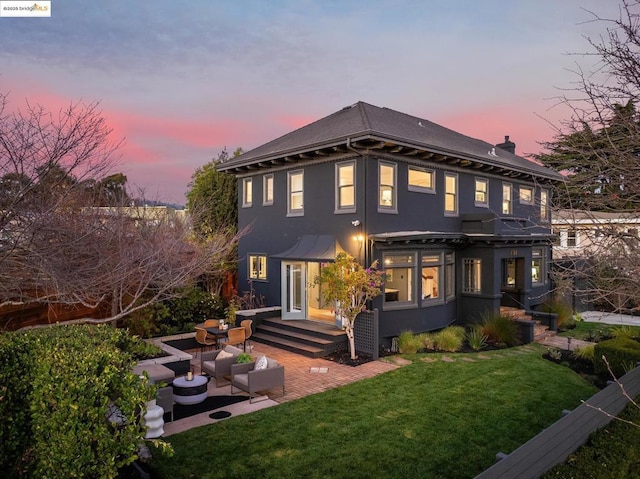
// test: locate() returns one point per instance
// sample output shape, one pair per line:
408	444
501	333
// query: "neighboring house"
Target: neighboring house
460	226
581	234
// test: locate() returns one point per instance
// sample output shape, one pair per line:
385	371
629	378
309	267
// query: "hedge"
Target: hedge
622	353
58	384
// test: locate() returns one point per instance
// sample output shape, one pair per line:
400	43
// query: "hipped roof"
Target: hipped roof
370	129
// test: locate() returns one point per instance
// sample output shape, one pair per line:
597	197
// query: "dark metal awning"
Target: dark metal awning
312	248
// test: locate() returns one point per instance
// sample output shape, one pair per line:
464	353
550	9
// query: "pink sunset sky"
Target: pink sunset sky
180	81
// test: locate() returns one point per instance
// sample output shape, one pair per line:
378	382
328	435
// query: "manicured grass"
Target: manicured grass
613	452
429	419
585	330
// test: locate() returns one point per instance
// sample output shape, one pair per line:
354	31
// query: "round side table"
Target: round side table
190	392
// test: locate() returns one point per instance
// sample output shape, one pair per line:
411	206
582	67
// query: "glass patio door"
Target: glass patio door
294	290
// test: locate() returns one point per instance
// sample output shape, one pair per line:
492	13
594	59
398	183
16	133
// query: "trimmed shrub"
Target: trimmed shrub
621	353
449	339
409	343
585	352
476	339
499	329
564	312
624	332
59	384
427	340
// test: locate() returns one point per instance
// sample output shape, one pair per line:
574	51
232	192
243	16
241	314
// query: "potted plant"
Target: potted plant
243	358
231	310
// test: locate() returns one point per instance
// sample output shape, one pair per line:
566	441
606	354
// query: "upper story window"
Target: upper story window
295	185
450	194
267	190
247	192
544	205
507	193
572	238
399	284
421	180
387	186
345	187
526	195
472	271
257	266
482	192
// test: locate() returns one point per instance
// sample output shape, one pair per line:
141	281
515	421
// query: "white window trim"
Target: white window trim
250	273
544	205
391	305
394	199
485	203
440	264
543	267
290	211
265	201
247	187
422	189
465	263
456	194
346	209
510	186
531	197
447	262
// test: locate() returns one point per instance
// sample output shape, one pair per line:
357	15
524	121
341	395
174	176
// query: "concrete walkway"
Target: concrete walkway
590	317
611	318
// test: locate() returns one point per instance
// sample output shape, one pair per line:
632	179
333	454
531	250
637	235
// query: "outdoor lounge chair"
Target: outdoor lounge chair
219	368
245	377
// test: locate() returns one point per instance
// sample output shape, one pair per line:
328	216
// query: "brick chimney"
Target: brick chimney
509	146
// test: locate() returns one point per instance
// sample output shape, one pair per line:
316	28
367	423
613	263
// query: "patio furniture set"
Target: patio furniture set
262	374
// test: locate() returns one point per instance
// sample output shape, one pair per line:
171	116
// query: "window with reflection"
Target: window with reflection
472	271
387	187
399	284
345	186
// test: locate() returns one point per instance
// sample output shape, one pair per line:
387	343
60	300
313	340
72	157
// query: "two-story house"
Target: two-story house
460	226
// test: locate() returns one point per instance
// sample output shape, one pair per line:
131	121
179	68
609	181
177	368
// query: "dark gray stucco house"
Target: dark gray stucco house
459	225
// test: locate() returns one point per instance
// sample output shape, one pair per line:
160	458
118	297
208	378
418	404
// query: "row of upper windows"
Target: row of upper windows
420	180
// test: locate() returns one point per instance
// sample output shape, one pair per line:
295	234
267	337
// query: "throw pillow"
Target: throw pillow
224	354
261	363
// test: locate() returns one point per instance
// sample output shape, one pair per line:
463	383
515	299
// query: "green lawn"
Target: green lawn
586	331
428	420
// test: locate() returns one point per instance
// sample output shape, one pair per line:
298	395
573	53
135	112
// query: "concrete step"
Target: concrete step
289	345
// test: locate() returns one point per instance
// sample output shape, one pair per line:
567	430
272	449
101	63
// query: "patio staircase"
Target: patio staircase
308	338
540	331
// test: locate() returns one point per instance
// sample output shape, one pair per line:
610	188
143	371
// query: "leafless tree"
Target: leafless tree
58	247
598	148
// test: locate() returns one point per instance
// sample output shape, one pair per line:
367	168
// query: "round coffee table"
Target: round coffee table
190	392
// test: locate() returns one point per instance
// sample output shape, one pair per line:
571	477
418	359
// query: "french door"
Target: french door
294	290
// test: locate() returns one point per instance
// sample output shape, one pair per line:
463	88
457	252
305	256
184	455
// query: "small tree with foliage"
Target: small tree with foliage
349	286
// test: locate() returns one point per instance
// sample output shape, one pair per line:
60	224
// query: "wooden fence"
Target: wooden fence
553	445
